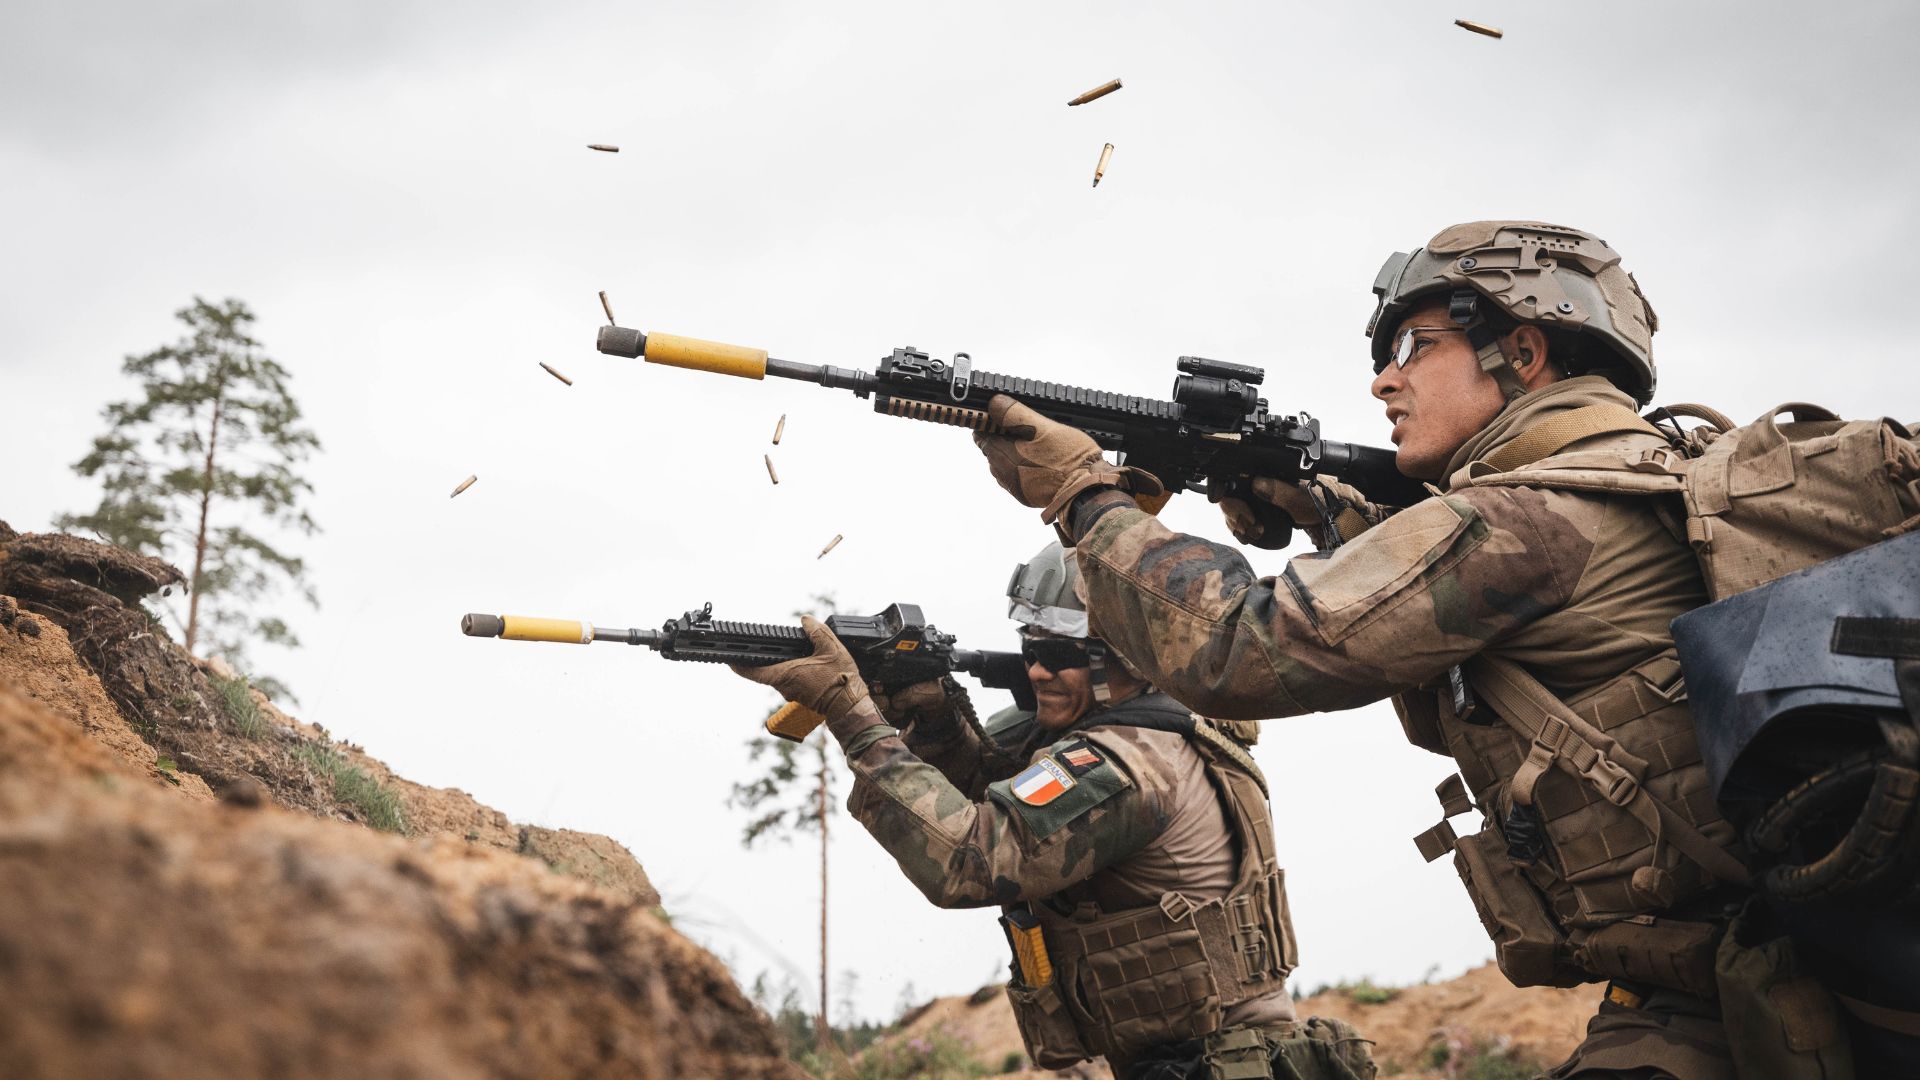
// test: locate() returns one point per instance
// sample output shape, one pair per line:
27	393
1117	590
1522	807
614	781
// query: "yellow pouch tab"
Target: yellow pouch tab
1032	966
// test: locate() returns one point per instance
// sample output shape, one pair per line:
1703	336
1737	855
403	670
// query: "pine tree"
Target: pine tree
781	802
207	454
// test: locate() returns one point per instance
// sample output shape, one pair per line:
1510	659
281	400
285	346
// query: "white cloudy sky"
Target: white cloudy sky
402	192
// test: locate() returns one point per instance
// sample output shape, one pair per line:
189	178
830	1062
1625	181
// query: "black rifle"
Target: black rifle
894	649
1214	436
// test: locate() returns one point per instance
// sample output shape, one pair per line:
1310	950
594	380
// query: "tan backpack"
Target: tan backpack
1761	500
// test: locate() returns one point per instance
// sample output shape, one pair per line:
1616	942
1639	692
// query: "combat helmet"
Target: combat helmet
1560	279
1044	593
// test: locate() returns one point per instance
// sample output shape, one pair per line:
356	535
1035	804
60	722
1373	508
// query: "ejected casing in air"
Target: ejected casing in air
556	374
464	485
1099	170
779	429
1096	93
831	544
603	147
608	308
1478	28
771	475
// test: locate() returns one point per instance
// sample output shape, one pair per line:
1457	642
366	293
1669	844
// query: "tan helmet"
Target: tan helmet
1549	275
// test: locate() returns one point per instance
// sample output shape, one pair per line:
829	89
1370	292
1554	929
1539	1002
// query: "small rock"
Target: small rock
244	791
26	624
8	610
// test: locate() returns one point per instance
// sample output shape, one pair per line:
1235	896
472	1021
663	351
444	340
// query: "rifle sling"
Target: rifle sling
1558	738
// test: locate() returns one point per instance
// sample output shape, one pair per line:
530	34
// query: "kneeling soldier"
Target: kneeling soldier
1127	841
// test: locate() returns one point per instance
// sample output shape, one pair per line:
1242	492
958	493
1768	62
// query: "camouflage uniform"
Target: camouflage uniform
1142	822
1578	588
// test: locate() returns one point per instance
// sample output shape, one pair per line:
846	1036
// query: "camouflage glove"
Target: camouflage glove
1046	464
828	682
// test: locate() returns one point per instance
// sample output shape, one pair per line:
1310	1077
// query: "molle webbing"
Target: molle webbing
1560	737
1560	430
1167	973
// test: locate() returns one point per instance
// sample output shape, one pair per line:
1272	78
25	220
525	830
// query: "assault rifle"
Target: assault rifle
896	648
1214	436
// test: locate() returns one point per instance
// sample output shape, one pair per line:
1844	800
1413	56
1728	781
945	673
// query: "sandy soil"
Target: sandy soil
151	935
1453	1020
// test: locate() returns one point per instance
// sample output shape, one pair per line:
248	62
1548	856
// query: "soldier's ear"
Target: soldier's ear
1529	347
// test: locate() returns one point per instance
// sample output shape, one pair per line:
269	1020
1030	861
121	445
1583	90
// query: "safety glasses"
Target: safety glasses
1055	654
1407	346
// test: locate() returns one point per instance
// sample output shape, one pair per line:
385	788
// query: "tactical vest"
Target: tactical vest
1604	844
1114	983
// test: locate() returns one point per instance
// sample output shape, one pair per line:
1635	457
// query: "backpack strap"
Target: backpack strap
1561	430
1560	737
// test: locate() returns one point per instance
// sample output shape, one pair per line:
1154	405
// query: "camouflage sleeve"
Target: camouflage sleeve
939	726
1080	811
1394	608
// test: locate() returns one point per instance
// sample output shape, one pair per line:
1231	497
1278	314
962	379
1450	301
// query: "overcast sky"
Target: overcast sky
402	191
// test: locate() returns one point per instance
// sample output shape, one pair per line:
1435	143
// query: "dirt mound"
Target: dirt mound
36	660
151	935
1479	1014
194	723
1417	1031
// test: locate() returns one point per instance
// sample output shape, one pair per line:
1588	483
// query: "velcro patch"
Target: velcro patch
1043	781
1078	759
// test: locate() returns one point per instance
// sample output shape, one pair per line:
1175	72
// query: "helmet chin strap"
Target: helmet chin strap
1464	308
1097	672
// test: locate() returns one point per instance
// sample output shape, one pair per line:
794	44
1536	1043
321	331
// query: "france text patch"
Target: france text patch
1042	782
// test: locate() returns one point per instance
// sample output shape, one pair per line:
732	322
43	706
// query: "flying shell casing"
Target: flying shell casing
1479	28
608	308
555	374
605	148
831	544
1100	170
1096	93
771	475
779	429
464	485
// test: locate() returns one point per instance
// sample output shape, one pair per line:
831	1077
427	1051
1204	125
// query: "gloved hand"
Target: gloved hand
1292	499
1352	513
1046	464
827	681
923	702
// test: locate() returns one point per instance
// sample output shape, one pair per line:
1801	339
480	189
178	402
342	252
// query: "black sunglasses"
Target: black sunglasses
1055	654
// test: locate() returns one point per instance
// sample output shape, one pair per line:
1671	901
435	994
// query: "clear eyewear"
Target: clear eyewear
1404	349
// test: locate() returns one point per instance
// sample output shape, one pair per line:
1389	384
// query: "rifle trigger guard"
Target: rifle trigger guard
962	376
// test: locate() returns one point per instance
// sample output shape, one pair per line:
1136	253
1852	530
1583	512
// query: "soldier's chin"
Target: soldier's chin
1418	465
1052	714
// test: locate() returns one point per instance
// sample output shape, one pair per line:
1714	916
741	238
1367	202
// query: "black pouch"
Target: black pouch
1782	1023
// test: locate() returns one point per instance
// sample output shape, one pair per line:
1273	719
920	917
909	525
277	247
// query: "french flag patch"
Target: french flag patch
1042	782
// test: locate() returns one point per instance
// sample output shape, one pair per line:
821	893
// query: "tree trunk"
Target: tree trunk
200	539
826	1032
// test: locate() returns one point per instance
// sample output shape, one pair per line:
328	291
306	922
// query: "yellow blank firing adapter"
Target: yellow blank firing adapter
676	351
794	722
521	628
